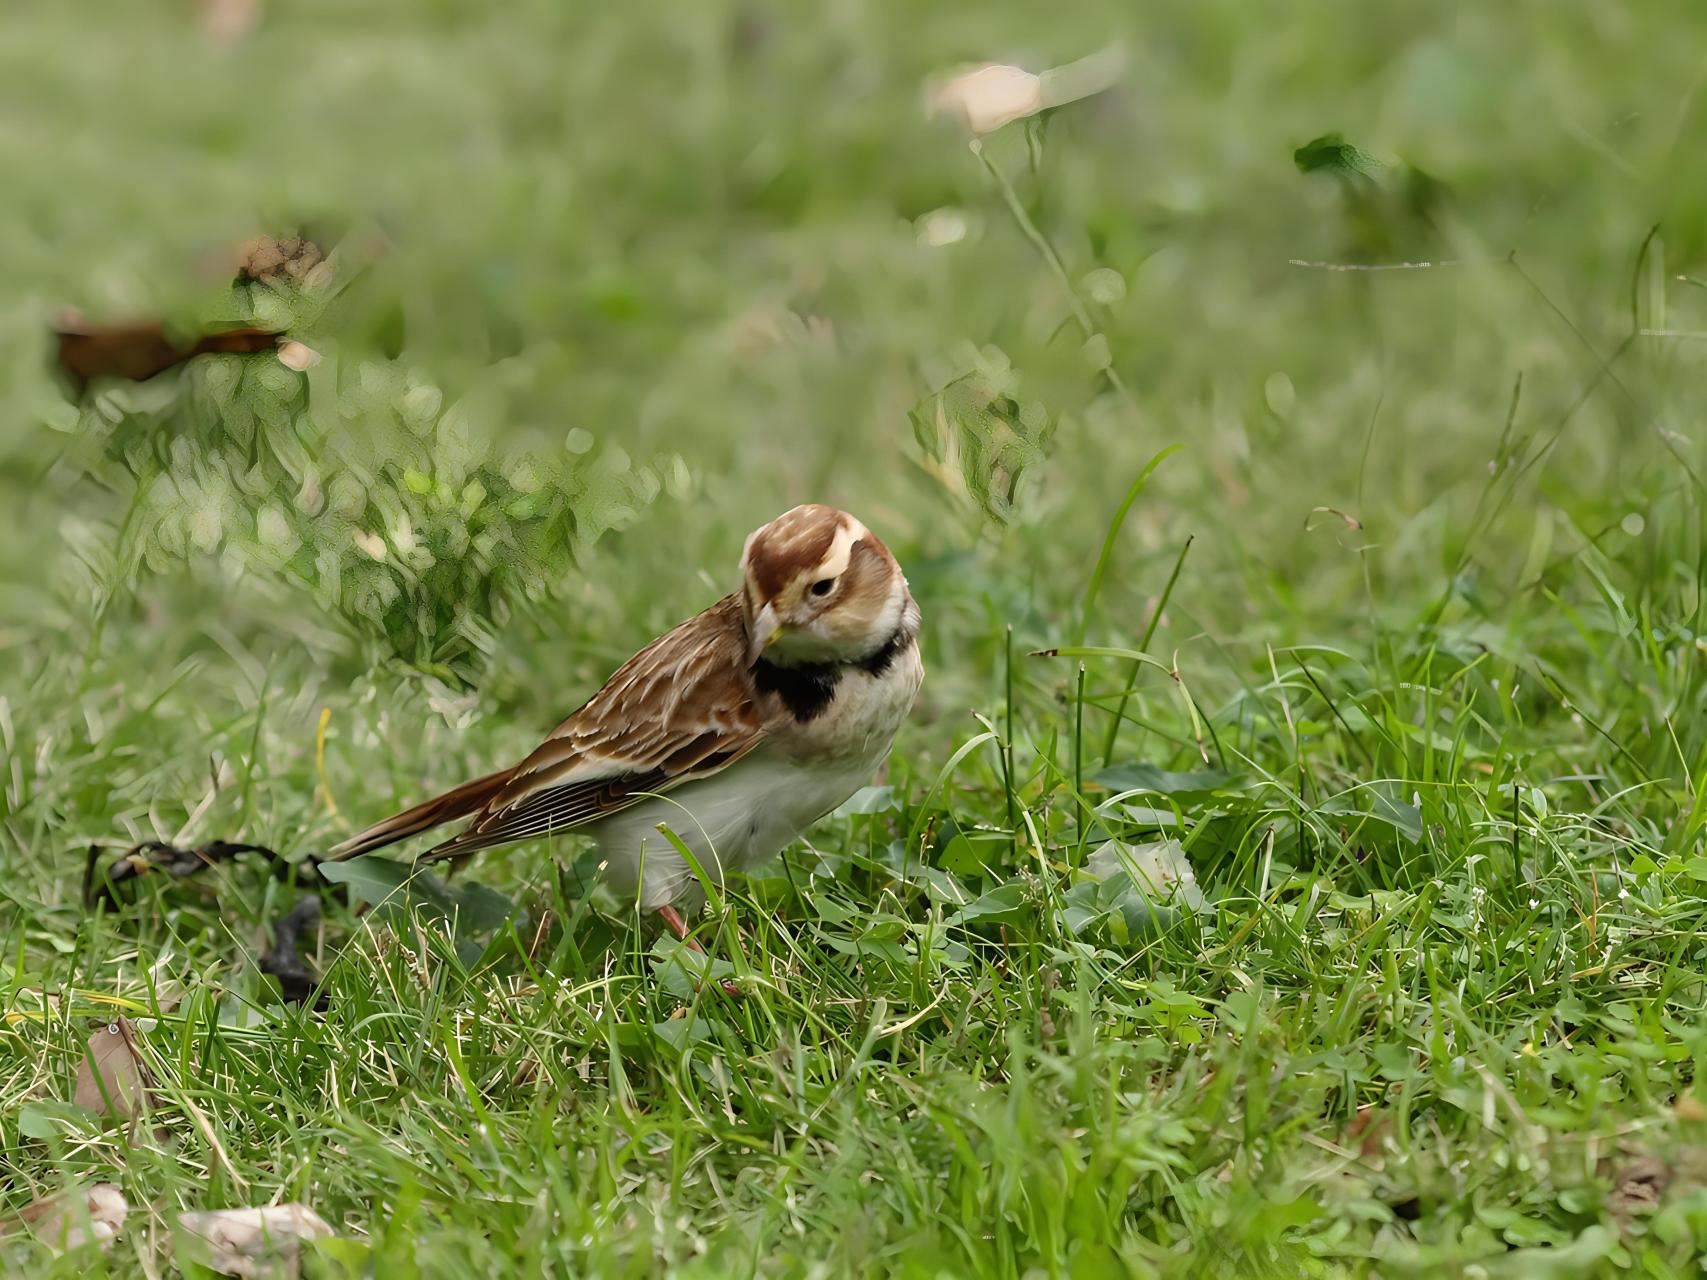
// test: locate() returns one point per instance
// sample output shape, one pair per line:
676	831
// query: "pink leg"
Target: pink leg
670	916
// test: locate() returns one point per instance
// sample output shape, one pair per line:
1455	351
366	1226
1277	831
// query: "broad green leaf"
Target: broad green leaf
384	882
868	800
1195	784
44	1120
1332	154
1372	804
1005	904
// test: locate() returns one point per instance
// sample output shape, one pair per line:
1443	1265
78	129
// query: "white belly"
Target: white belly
756	807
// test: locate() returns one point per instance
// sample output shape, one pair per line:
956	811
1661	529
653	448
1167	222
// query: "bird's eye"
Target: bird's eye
823	586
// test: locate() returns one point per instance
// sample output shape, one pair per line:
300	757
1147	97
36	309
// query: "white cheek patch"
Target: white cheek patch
890	620
863	623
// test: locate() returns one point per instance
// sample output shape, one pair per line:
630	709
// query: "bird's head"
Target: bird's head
818	586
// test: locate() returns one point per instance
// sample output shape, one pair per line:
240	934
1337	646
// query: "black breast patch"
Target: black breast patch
877	663
805	690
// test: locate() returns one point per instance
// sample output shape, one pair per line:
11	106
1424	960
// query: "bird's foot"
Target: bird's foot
670	916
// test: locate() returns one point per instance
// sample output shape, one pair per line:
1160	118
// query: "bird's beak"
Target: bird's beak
767	630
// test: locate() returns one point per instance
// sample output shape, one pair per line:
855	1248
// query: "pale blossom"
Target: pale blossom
988	96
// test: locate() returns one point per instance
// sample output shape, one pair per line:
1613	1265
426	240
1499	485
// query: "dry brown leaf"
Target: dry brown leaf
112	1079
1369	1128
225	22
76	1217
1351	522
239	1242
141	349
266	258
1638	1186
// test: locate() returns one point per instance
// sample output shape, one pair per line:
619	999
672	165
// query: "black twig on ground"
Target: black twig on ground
172	860
284	960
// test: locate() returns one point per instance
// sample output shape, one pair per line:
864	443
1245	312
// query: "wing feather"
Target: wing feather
680	709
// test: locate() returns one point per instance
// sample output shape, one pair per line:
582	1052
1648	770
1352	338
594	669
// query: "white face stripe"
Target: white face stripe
835	561
849	531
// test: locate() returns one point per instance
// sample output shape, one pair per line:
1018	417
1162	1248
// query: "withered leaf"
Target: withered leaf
112	1079
283	258
1638	1186
238	1242
76	1217
141	349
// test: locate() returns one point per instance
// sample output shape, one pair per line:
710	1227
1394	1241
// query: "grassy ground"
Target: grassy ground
1427	728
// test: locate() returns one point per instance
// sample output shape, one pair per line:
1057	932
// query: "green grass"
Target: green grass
1404	646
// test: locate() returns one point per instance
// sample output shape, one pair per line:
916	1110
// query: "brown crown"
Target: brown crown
788	546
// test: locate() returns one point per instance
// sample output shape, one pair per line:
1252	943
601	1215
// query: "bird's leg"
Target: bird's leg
670	916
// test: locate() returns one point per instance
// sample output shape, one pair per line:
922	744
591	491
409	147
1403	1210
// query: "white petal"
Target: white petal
990	96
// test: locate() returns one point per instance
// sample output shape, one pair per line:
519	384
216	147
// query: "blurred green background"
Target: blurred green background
683	261
697	235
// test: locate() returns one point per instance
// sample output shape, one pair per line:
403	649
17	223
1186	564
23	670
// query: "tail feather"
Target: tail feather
462	802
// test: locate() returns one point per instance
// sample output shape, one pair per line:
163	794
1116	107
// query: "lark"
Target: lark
737	730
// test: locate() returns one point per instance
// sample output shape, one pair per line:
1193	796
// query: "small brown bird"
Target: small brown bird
738	729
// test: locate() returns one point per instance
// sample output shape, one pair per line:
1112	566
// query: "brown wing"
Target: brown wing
460	802
679	709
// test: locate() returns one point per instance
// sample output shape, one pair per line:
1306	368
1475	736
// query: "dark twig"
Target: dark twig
176	862
284	960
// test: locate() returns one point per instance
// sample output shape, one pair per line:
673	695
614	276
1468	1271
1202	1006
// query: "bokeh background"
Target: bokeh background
692	266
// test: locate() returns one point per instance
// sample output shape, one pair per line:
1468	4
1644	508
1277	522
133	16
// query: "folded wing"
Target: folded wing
680	709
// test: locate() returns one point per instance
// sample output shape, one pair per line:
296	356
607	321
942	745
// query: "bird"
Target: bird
736	730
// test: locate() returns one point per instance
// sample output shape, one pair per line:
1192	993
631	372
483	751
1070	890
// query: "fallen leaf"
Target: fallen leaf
139	350
236	1242
1638	1186
112	1079
1158	867
266	258
225	22
76	1217
1369	1127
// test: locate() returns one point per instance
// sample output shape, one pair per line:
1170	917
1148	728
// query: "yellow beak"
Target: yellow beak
767	630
